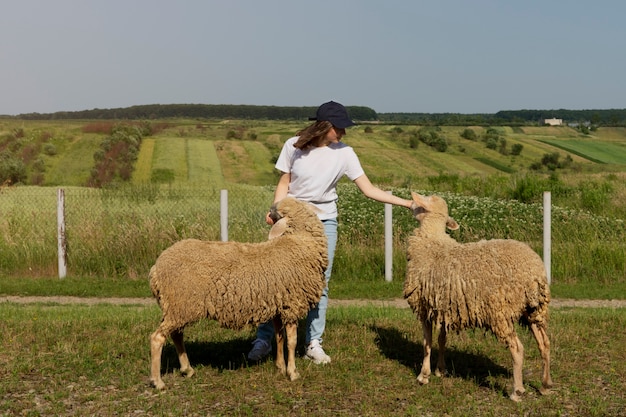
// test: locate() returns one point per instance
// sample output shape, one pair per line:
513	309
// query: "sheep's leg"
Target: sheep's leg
427	329
517	352
441	364
544	347
157	340
292	340
185	367
280	342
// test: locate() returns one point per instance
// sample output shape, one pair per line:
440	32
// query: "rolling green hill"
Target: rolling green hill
218	152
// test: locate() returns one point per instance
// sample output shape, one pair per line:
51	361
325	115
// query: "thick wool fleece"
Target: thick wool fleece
490	284
244	283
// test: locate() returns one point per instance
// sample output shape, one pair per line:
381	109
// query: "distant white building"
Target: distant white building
553	122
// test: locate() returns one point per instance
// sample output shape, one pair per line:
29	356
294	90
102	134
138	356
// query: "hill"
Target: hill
51	153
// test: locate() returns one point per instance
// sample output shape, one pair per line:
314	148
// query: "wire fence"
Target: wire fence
119	231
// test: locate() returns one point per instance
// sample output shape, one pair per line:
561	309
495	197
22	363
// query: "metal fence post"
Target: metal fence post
547	234
61	242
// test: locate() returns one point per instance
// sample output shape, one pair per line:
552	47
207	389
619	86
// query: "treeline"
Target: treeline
198	111
611	117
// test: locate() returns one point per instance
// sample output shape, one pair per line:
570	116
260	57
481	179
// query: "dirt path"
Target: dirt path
397	302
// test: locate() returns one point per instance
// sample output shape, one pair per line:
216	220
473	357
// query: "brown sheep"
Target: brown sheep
491	284
238	284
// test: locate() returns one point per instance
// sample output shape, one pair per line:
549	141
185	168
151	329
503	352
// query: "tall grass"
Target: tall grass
120	232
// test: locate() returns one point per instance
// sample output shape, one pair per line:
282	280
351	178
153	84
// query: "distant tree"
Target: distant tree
432	137
502	147
516	149
469	134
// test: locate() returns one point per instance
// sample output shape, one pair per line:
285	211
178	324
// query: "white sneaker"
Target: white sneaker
260	349
315	353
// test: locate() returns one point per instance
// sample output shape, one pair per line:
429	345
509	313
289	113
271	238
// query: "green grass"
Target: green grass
75	287
94	360
171	154
143	167
204	165
74	160
120	232
593	150
340	288
385	153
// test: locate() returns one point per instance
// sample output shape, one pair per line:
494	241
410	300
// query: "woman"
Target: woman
311	165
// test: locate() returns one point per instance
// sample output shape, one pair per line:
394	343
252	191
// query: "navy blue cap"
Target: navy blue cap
334	113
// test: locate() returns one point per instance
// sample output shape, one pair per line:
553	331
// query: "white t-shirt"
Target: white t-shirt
316	171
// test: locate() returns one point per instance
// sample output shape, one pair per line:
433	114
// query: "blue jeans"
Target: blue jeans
316	319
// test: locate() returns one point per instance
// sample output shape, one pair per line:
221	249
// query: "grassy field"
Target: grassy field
597	151
181	168
94	360
246	150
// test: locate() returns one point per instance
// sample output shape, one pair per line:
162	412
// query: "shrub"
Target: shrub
516	149
49	149
431	137
503	149
491	143
117	154
469	134
528	189
12	170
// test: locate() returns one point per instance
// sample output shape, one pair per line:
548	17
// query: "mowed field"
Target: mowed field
386	155
218	152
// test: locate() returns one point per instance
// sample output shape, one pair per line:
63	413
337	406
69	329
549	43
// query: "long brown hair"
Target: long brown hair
312	135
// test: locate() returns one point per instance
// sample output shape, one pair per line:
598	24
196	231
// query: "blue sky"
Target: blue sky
462	56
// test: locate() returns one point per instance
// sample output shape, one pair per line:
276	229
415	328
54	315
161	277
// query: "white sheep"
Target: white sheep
242	283
491	284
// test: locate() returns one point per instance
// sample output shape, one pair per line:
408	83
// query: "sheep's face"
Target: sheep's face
274	214
424	206
283	210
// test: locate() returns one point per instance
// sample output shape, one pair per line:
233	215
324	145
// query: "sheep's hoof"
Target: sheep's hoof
160	385
187	373
517	395
293	376
439	373
422	379
545	391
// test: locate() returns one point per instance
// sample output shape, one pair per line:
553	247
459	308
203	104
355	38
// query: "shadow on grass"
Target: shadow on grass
459	364
222	355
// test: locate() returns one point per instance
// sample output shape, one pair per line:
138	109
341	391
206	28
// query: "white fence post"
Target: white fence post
224	215
61	242
388	242
547	234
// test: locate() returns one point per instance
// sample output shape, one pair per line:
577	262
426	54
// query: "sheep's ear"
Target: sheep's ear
452	224
278	229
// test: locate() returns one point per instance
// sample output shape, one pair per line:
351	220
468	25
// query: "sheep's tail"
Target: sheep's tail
154	283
